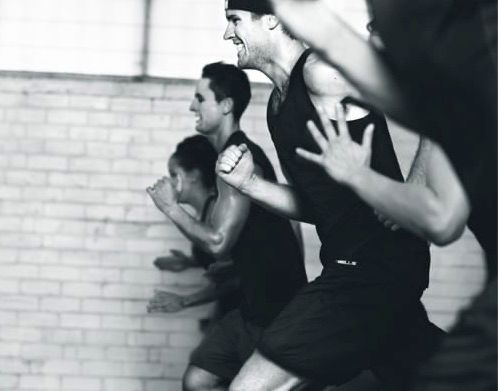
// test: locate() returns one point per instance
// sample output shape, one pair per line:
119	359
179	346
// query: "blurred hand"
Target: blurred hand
340	157
389	224
176	262
163	194
220	269
164	301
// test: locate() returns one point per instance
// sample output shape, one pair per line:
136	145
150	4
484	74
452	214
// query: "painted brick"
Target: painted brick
123	385
114	322
86	164
22	334
48	100
9	286
131	104
105	212
124	291
8	318
147	339
68	180
82	258
41	319
106	150
108	119
105	181
85	321
81	289
13	366
27	178
41	351
88	133
10	349
46	132
125	135
81	384
10	192
141	276
63	337
25	115
104	368
9	382
168	323
105	337
184	340
37	256
48	383
127	354
85	352
69	117
161	385
89	102
60	304
40	287
102	306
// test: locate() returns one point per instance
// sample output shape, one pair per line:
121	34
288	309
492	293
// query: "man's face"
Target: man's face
208	112
246	33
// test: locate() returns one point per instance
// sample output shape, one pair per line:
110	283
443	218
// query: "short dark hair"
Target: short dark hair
228	81
197	153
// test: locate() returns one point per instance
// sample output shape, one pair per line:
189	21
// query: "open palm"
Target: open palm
341	157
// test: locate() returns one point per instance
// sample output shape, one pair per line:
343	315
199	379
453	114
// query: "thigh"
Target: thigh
227	345
259	374
196	378
330	335
217	353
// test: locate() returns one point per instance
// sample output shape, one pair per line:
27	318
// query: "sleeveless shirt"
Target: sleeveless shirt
347	227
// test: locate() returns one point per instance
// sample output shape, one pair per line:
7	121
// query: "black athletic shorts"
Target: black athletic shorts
228	344
331	331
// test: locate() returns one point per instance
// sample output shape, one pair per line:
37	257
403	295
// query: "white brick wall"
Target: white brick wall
79	235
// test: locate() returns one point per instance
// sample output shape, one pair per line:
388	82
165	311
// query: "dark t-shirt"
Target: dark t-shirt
267	255
347	226
443	54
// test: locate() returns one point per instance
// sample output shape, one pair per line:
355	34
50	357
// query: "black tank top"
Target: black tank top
346	226
267	255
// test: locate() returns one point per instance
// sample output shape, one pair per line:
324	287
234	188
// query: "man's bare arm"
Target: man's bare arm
235	166
219	233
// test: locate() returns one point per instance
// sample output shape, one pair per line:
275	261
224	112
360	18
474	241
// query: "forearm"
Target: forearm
201	234
412	206
361	64
202	296
278	198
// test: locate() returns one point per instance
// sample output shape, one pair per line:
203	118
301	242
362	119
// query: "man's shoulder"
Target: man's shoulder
322	79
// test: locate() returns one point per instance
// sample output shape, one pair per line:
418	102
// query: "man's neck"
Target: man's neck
283	60
219	138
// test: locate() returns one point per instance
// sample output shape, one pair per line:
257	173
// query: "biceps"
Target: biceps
229	216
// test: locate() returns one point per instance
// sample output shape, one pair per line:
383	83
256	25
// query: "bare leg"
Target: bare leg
260	374
197	379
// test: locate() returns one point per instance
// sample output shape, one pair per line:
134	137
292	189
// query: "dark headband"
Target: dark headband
261	7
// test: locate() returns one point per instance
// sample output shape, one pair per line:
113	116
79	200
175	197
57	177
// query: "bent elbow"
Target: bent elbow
217	245
444	230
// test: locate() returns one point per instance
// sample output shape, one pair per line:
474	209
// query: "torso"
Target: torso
347	227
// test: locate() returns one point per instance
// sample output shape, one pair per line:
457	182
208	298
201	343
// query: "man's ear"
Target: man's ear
272	21
227	105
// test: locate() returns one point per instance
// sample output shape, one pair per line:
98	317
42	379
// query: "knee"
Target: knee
193	380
